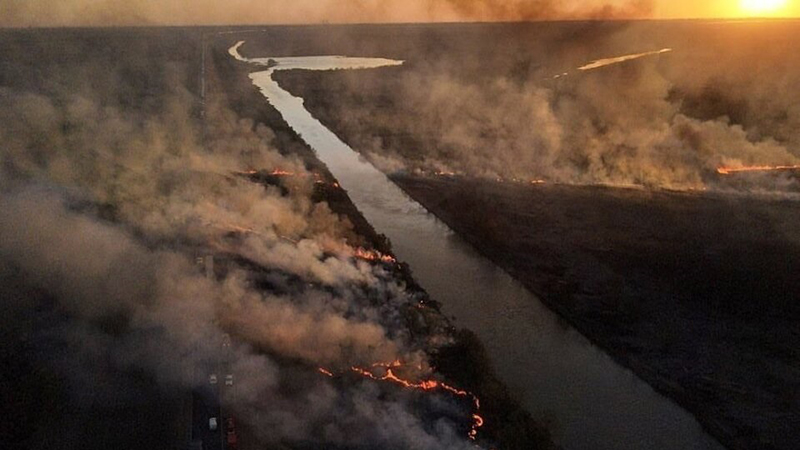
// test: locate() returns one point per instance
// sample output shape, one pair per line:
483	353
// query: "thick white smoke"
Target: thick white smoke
207	12
670	119
105	209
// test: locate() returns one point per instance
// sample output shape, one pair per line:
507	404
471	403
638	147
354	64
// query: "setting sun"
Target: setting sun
763	7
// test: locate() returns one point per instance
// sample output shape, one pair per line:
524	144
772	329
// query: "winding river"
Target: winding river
588	401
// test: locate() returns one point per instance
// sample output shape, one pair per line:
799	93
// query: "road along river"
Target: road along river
589	401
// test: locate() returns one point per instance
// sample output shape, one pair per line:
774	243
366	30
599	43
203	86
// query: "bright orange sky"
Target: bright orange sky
722	8
22	13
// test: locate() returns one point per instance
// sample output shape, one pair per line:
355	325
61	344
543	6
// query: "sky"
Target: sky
23	13
726	8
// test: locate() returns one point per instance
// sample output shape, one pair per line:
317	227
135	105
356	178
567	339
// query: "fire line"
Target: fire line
730	170
424	385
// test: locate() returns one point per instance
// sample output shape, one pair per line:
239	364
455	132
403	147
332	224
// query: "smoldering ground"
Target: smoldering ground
109	191
666	120
138	309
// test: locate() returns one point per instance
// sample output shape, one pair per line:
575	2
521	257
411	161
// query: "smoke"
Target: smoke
173	321
109	195
182	12
665	120
528	10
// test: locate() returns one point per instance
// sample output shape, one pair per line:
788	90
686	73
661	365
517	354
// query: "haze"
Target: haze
24	13
432	225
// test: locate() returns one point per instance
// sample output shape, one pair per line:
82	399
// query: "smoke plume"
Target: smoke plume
110	190
202	12
525	110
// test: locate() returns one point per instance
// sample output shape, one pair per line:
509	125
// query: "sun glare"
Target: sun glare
762	7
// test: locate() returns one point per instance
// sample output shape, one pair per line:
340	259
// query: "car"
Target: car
233	440
212	379
229	380
212	423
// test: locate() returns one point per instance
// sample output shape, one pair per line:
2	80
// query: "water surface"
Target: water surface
588	400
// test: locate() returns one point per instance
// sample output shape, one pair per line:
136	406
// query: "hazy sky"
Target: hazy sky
726	8
157	12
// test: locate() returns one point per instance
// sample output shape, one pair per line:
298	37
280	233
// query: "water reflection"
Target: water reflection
558	375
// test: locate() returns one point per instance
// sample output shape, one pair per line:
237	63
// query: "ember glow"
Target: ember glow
448	174
282	173
357	252
373	255
730	170
318	179
423	385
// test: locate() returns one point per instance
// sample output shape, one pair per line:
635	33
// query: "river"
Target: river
587	400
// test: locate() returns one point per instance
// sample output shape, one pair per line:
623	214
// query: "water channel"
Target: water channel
588	400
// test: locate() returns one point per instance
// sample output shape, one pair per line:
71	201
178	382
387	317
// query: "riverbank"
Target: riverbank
464	363
65	395
672	285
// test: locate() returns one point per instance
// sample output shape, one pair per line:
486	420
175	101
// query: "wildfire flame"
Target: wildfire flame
424	385
281	173
538	181
373	255
395	363
358	252
442	173
730	170
318	178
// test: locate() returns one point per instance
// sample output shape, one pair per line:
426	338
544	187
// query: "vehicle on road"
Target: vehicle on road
212	423
228	380
232	438
212	379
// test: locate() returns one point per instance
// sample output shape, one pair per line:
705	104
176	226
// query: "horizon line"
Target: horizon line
443	22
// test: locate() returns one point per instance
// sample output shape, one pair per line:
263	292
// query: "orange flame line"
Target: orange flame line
279	172
730	170
318	178
425	385
444	173
372	255
245	172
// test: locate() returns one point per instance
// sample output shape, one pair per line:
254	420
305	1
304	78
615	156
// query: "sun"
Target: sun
762	7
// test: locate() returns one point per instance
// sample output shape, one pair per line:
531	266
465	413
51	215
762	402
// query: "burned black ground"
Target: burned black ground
133	70
696	293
